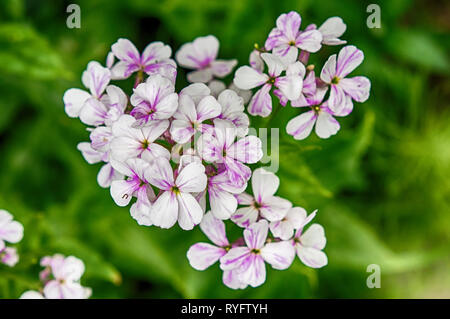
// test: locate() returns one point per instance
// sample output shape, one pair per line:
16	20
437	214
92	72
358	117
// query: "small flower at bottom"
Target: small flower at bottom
248	263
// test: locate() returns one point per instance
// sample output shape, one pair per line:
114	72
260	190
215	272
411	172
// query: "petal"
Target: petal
186	109
282	229
336	100
31	294
221	68
225	132
264	184
256	234
160	174
348	59
309	41
11	231
200	76
192	178
253	271
199	53
181	131
223	204
203	255
326	125
246	150
296	217
230	102
209	148
107	175
74	100
165	210
124	50
238	173
155	151
245	216
314	237
90	155
96	78
190	212
331	30
245	199
287	52
122	70
289	24
255	61
216	87
123	148
122	192
141	212
275	64
261	102
166	107
290	86
166	68
311	257
231	279
154	130
357	87
280	254
234	258
214	229
275	208
196	91
155	51
329	69
93	112
301	126
247	78
208	108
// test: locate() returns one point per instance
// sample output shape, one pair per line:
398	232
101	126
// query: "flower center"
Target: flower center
292	43
271	80
255	251
335	80
175	190
145	144
316	108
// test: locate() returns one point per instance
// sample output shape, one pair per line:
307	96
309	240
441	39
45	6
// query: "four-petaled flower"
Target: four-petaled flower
248	262
201	55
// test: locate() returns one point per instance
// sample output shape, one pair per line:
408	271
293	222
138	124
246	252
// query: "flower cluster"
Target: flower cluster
61	279
185	157
11	231
281	68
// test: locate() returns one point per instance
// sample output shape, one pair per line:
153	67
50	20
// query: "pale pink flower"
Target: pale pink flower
155	59
263	203
154	100
290	85
294	219
176	201
249	262
286	39
11	231
334	73
201	55
9	256
309	244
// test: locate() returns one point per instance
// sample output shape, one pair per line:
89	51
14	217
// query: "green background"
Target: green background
381	184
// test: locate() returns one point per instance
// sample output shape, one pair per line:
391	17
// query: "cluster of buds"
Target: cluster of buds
187	157
61	279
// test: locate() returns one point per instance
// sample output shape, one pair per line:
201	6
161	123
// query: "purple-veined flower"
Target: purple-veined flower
11	231
232	109
155	59
9	256
203	255
190	116
294	219
62	280
320	114
334	73
248	262
130	142
201	56
96	78
136	184
309	244
290	85
263	203
286	39
154	100
220	147
106	111
176	202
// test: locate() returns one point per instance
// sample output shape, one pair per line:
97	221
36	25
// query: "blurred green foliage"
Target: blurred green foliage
381	185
